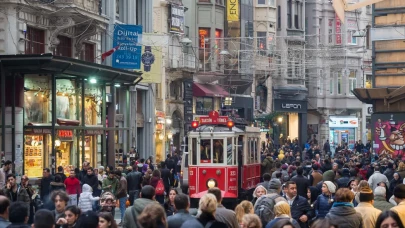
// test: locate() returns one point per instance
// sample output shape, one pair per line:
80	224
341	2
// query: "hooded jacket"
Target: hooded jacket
86	198
267	165
345	216
139	204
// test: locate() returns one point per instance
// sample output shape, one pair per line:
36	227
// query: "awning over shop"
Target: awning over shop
391	95
59	65
208	90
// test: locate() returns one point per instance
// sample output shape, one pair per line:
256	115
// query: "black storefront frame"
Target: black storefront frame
17	65
300	107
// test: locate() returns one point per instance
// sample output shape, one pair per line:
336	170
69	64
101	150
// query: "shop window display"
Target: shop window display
33	152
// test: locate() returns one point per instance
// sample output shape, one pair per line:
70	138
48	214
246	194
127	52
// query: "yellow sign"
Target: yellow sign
152	73
232	10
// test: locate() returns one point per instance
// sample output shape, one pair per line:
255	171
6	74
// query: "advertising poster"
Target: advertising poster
33	154
128	39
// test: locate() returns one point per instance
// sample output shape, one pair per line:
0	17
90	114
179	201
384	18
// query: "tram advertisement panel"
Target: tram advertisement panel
233	181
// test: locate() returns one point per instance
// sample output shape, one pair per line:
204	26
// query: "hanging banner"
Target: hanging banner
338	30
232	10
128	39
152	57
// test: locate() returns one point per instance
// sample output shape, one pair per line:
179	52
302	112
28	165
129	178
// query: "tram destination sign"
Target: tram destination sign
213	118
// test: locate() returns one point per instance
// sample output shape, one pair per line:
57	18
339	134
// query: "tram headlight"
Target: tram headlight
211	183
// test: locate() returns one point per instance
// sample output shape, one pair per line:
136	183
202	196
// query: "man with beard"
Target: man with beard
4	172
90	179
15	192
83	172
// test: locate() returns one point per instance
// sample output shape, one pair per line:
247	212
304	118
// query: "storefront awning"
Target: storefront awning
59	65
208	90
370	95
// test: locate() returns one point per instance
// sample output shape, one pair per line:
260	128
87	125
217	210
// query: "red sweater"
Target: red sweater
72	186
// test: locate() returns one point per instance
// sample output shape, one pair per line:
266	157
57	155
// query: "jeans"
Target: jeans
72	199
133	195
123	202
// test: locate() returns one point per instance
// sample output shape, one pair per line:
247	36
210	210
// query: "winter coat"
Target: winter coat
377	178
202	221
369	213
113	182
273	222
345	216
302	185
139	204
4	223
299	207
45	188
55	186
122	188
342	182
176	220
322	205
267	165
381	203
86	199
315	177
134	180
91	180
389	173
19	225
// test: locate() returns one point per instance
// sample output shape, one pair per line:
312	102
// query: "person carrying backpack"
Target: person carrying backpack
264	206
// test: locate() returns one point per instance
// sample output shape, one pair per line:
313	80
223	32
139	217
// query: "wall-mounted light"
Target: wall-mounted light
93	80
57	142
170	135
280	119
117	85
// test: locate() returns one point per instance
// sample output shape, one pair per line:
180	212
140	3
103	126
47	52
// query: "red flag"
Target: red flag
108	53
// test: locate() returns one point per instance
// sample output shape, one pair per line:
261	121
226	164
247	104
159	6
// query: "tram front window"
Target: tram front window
218	151
205	150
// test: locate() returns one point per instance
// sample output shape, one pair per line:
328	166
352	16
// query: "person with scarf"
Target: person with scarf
343	212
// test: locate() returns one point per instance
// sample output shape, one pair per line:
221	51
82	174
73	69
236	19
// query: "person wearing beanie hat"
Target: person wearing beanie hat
327	176
366	207
274	186
399	197
325	200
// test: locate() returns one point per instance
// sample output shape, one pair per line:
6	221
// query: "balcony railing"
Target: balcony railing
183	61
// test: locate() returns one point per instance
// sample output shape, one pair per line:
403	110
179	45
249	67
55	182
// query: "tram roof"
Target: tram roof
217	129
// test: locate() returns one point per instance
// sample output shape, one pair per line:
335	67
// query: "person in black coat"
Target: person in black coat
45	188
134	180
166	176
302	182
171	166
344	180
301	211
90	179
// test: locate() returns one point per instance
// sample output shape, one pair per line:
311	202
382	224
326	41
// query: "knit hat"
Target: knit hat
331	186
328	176
274	183
399	191
284	166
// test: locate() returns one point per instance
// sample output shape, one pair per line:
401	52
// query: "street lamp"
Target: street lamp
280	119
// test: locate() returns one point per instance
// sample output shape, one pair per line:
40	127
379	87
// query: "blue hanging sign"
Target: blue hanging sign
127	39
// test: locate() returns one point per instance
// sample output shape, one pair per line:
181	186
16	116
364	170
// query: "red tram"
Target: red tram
223	155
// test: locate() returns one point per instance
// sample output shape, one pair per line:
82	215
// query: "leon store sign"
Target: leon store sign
337	121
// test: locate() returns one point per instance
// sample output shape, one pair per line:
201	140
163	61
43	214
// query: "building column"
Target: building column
111	124
149	123
133	120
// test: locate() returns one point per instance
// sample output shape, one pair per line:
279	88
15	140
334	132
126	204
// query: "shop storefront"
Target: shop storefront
65	108
292	122
342	131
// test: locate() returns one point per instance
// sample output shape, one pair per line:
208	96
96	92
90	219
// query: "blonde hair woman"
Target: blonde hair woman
259	191
282	211
208	207
251	221
244	208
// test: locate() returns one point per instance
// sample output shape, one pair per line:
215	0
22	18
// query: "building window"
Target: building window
204	0
64	47
289	62
350	38
330	31
261	2
261	42
352	81
204	105
278	17
117	9
289	9
272	3
368	81
218	36
296	16
219	2
204	34
368	39
320	82
34	41
87	53
339	83
331	85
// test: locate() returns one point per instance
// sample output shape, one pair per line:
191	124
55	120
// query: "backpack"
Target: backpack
160	188
264	208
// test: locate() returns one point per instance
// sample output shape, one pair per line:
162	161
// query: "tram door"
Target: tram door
239	152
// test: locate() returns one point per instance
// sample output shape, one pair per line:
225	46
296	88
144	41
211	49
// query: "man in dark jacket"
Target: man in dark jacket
90	179
83	172
171	166
344	180
222	214
18	215
134	180
267	164
300	208
182	205
302	182
61	174
166	175
45	188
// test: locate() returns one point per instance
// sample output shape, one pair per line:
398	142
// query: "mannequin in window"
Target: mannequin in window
218	152
205	151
